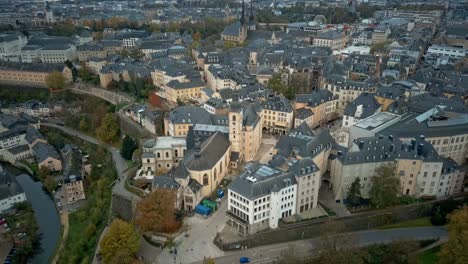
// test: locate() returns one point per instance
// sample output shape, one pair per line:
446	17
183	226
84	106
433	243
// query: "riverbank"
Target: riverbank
46	216
86	224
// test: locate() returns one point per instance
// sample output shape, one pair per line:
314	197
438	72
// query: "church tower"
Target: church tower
251	25
235	128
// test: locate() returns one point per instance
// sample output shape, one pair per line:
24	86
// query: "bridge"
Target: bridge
112	97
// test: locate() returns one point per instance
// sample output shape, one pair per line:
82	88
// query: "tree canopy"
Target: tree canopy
55	80
128	146
108	131
455	251
157	212
354	194
385	187
120	243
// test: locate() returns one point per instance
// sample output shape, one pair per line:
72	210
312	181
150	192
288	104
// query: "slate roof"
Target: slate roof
189	115
305	145
316	97
165	182
303	167
208	154
8	185
42	151
387	149
304	129
259	180
278	103
194	185
303	113
368	103
32	67
177	85
232	30
18	149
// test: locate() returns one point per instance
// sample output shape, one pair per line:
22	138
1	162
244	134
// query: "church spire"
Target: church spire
242	20
251	16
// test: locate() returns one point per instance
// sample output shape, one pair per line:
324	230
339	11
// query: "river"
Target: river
46	216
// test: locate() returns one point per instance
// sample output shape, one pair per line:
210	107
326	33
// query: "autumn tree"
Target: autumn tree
50	184
108	131
208	260
336	245
120	243
55	80
43	172
455	251
156	213
385	187
354	194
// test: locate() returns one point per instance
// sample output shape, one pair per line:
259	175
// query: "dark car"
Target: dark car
244	260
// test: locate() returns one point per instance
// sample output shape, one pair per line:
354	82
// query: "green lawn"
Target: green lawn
429	256
418	222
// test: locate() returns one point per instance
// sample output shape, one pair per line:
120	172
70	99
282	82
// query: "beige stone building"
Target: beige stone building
236	32
91	50
277	115
420	169
163	153
201	171
331	39
31	74
185	90
322	103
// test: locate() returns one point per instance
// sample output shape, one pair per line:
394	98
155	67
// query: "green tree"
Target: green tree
354	194
108	131
385	187
455	251
276	84
120	243
50	184
128	146
83	125
55	80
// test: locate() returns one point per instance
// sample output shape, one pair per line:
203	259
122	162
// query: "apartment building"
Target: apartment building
73	175
331	39
11	192
57	53
321	102
380	34
11	44
185	90
346	91
259	197
33	74
277	115
417	165
90	50
364	106
447	131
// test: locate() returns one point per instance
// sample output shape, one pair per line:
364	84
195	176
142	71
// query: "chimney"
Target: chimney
413	144
420	148
197	147
390	137
422	137
360	144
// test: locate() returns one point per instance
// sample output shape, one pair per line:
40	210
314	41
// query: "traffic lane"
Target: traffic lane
310	247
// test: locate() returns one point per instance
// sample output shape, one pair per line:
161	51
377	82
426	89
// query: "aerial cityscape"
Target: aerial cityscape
233	131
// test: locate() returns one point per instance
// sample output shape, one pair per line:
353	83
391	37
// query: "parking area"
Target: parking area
264	153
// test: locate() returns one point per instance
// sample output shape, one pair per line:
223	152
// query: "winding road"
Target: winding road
310	247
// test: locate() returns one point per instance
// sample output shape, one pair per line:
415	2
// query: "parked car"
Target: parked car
244	260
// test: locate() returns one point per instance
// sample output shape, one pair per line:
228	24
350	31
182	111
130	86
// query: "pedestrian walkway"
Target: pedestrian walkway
65	225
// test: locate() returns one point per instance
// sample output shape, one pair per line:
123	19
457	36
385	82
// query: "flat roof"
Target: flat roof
376	120
168	142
